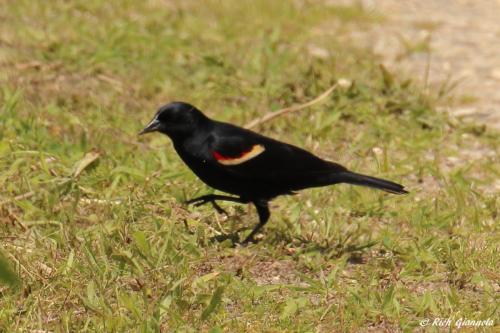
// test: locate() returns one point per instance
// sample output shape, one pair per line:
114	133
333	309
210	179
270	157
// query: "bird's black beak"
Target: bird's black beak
153	126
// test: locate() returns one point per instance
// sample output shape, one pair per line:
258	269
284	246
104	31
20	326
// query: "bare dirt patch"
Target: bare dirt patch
438	41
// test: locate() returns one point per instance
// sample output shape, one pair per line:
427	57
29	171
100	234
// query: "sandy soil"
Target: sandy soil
442	41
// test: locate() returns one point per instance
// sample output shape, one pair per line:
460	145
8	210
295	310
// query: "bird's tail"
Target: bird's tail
363	180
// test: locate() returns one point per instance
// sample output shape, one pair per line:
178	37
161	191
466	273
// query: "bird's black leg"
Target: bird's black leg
211	198
263	211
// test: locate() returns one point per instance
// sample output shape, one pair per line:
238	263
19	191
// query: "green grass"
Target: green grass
114	249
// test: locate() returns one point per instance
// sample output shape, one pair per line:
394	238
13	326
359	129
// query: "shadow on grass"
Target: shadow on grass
278	238
354	251
233	237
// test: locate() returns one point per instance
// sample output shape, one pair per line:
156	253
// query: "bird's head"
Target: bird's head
176	119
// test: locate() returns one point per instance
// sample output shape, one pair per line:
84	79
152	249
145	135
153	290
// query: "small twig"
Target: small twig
19	197
16	219
101	201
271	115
36	223
24	196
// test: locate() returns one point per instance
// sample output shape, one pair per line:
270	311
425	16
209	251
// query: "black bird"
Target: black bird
251	166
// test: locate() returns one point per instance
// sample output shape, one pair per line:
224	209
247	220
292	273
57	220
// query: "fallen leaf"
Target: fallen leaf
85	162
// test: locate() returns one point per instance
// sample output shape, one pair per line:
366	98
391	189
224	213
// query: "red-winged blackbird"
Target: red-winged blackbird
253	167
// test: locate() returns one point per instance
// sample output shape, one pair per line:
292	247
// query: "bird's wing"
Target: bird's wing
250	155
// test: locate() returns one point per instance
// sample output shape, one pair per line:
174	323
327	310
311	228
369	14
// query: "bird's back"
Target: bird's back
279	169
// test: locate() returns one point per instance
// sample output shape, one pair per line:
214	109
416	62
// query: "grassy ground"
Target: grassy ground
92	218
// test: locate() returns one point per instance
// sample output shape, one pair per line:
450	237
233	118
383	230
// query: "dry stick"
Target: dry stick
271	115
24	196
16	219
19	197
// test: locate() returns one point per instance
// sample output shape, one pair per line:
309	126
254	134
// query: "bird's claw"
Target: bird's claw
202	201
247	241
196	201
219	209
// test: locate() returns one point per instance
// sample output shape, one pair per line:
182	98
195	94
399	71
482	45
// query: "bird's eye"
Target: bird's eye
162	116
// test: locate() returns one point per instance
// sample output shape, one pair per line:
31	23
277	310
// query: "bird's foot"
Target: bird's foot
197	201
219	209
250	240
204	200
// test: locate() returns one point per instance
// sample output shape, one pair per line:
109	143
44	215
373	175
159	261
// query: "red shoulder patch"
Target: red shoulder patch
254	151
